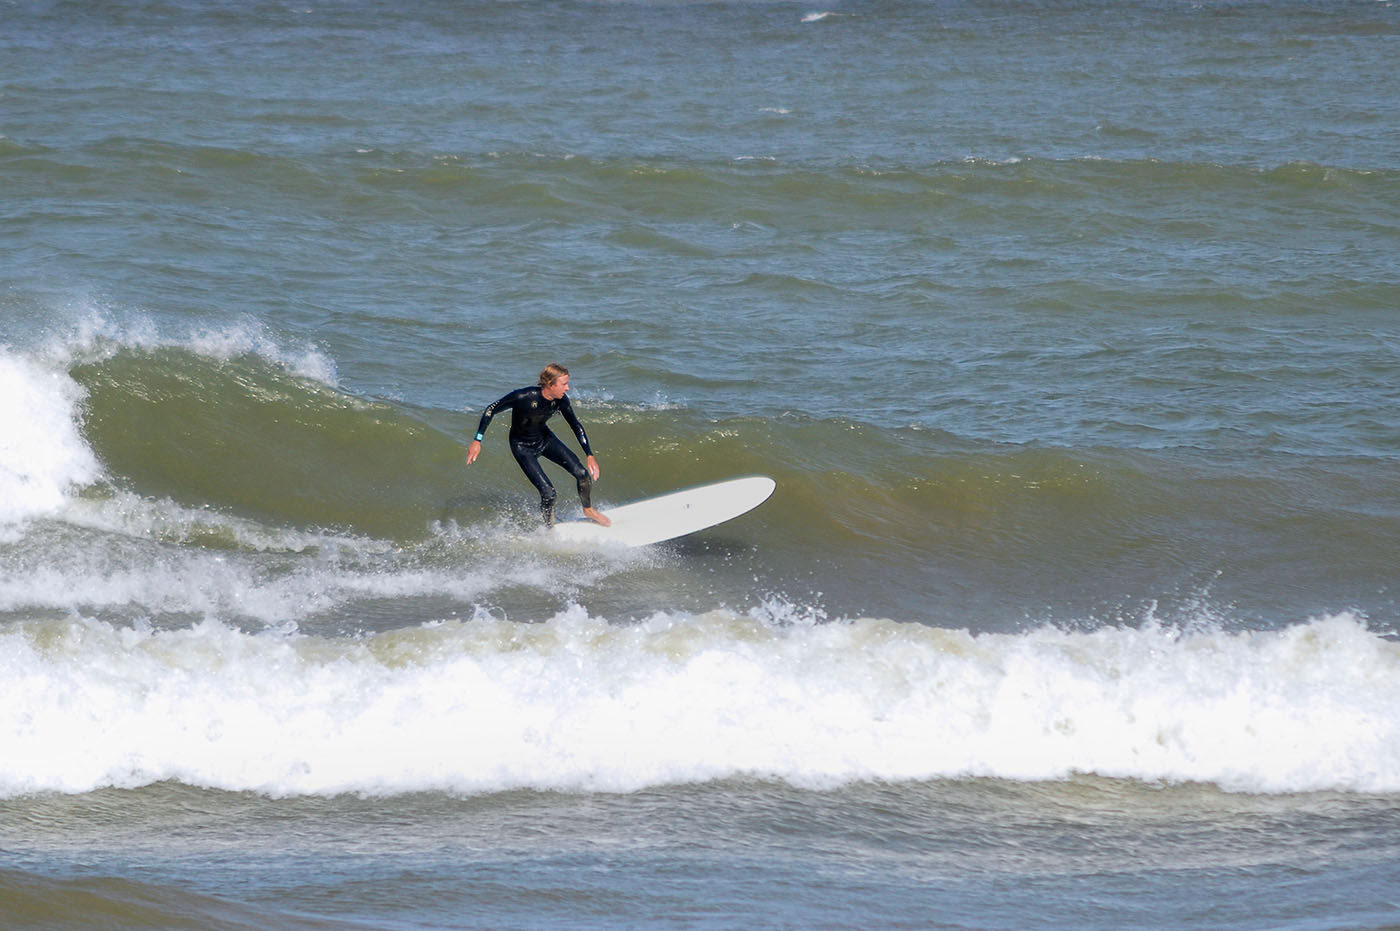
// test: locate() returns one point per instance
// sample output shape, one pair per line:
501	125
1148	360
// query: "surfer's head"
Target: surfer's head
554	381
552	373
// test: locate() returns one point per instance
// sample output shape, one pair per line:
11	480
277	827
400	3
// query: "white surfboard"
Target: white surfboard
668	516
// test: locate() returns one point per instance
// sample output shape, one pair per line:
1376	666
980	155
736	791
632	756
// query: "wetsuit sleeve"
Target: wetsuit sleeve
486	415
567	409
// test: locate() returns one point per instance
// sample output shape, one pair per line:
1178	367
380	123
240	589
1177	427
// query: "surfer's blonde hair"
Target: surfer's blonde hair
552	373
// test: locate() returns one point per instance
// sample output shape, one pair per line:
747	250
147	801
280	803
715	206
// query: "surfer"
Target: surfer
530	409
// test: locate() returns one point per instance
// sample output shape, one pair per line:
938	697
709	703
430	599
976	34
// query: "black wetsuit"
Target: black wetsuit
530	439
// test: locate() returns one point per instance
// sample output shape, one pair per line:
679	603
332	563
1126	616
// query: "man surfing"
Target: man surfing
530	409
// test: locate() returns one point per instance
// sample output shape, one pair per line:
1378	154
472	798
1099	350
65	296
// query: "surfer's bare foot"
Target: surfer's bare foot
597	516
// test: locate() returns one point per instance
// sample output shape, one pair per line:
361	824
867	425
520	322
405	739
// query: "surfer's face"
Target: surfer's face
557	390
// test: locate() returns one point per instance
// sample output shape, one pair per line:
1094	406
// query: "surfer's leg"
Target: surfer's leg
527	457
555	451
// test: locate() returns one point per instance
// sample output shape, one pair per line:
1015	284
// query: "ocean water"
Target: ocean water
1070	331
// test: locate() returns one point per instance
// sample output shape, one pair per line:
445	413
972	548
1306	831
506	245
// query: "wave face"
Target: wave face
248	435
221	470
578	703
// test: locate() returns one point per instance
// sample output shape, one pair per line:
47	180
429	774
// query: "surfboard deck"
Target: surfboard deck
676	514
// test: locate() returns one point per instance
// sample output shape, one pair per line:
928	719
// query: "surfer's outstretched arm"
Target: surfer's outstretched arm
508	400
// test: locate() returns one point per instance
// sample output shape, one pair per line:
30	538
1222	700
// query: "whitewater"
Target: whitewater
578	704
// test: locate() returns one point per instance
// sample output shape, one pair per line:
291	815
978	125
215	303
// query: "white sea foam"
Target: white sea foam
577	703
131	556
42	453
97	334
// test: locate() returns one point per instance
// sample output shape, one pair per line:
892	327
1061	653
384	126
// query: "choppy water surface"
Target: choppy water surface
1068	331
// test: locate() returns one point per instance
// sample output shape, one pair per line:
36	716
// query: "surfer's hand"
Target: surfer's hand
592	466
473	451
